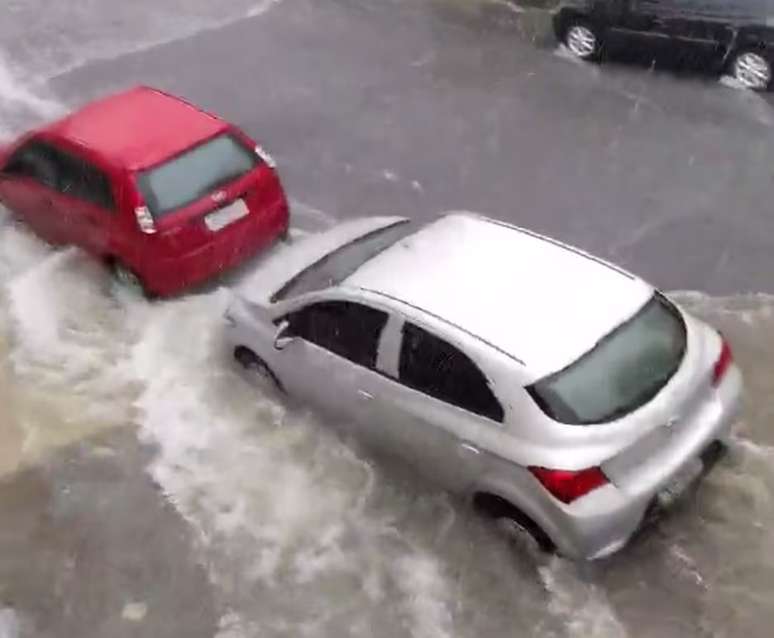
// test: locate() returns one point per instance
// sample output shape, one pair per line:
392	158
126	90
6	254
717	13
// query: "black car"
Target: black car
737	35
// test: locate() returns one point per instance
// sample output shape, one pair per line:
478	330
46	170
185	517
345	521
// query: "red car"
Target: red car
164	193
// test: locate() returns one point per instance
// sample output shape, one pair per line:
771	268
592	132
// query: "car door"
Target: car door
430	411
83	202
703	26
645	18
330	361
27	187
640	19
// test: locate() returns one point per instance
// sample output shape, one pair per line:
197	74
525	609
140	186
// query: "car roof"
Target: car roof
535	299
138	128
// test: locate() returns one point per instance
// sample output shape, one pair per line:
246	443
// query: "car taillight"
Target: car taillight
722	364
265	156
145	220
569	485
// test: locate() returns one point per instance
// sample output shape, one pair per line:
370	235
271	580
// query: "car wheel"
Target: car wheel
285	237
257	367
514	524
128	278
582	39
752	69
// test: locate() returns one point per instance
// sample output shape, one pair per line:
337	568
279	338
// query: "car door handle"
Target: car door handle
469	447
365	395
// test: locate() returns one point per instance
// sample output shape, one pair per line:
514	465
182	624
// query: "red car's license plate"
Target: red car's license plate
227	215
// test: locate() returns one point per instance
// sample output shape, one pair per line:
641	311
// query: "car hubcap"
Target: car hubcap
581	41
752	70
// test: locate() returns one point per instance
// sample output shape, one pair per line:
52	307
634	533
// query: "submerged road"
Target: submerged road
250	523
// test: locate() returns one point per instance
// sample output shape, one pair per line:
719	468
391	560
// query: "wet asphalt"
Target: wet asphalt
412	108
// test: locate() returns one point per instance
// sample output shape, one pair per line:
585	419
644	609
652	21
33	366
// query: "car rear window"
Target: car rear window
621	373
195	173
335	267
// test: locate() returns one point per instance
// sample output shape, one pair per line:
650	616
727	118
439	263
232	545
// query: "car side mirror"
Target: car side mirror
282	338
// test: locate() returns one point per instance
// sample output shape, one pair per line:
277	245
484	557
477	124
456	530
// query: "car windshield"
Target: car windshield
195	173
342	262
621	373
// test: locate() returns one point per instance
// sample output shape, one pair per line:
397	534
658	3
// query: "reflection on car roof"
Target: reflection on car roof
139	127
533	298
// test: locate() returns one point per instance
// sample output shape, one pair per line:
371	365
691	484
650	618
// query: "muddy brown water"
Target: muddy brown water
300	530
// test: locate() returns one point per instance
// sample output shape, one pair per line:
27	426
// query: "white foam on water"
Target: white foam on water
583	606
427	592
10	626
21	107
510	5
14	93
686	564
561	51
44	49
64	324
64	344
732	83
100	32
231	625
759	108
279	503
765	452
19	248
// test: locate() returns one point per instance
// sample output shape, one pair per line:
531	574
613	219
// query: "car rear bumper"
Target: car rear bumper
228	248
606	519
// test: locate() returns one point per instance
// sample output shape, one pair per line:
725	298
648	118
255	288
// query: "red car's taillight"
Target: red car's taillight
569	485
724	361
145	220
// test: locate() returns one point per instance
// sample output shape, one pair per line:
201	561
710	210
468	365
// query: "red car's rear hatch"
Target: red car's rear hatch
207	191
222	211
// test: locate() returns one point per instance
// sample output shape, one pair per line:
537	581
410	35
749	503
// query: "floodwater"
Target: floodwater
301	533
300	530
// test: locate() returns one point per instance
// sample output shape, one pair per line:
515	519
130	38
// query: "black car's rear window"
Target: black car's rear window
621	373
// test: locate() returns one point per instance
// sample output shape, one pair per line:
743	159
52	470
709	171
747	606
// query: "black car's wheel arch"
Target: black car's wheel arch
493	506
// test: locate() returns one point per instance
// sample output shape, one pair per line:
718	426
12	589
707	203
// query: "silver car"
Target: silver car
559	393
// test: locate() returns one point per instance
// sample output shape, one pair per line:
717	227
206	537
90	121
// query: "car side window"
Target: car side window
36	161
348	329
436	368
80	179
652	6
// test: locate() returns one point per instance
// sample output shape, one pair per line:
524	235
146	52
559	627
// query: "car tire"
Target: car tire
752	68
285	237
513	522
582	38
129	279
258	368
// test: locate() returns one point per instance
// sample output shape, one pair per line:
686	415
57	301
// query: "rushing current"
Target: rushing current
301	533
